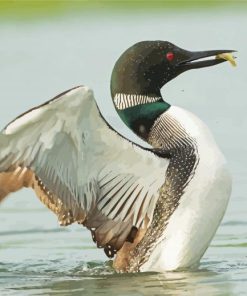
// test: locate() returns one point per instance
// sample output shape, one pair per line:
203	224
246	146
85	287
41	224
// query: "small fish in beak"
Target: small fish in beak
228	57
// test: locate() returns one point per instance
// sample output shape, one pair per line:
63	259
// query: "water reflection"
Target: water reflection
97	278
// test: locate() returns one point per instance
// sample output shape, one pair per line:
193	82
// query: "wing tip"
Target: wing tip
86	90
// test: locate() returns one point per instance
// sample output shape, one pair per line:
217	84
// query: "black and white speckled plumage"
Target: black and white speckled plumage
169	135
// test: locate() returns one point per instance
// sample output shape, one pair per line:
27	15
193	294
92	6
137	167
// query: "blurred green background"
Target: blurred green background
23	9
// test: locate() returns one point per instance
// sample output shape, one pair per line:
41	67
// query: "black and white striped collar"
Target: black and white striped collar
123	101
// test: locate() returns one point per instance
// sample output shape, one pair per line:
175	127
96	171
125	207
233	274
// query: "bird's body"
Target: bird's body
193	198
203	203
155	209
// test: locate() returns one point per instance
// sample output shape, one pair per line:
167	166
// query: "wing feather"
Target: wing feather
81	169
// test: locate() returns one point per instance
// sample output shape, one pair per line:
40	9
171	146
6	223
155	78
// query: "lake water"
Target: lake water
41	58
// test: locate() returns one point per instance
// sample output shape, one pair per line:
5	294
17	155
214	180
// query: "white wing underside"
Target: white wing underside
83	170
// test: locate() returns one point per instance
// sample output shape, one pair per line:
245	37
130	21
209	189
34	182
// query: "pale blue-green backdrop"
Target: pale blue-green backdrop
44	54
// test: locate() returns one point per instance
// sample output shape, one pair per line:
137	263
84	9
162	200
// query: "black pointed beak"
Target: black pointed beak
201	59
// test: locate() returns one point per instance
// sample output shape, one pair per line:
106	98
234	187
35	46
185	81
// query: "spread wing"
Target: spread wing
81	169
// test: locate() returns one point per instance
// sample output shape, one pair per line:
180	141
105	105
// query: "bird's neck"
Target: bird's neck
139	112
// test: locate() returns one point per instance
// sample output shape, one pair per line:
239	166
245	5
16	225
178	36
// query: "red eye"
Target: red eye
170	56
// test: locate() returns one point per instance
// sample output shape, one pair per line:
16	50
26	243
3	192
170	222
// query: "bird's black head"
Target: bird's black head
141	72
146	66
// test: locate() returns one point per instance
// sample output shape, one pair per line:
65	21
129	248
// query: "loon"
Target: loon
151	209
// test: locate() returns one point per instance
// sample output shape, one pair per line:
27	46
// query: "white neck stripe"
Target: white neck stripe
123	101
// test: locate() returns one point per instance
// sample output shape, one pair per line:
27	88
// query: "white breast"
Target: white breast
202	206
